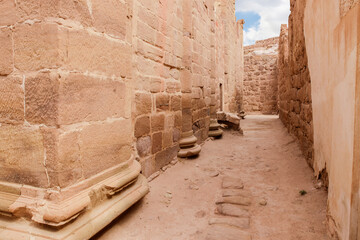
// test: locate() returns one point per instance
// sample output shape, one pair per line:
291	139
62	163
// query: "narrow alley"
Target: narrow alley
189	200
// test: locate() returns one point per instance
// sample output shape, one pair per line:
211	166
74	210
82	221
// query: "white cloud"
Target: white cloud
272	13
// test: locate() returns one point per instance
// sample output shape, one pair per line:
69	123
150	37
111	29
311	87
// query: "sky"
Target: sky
263	18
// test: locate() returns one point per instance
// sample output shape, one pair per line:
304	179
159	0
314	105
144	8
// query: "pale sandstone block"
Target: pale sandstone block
42	98
8	14
232	210
165	157
110	16
149	51
142	126
62	157
143	146
105	143
143	103
36	46
242	222
157	142
11	100
147	166
85	98
107	56
22	154
167	138
157	122
175	103
162	102
146	33
6	51
65	9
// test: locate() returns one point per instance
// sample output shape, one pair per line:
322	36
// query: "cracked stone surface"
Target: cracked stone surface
265	164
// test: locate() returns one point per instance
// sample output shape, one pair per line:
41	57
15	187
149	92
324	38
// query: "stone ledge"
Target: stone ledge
56	208
85	226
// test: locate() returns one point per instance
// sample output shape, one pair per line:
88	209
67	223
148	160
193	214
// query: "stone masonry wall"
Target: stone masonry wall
65	102
260	81
294	81
89	82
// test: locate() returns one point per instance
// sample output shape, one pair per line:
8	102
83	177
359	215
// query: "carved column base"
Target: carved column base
188	145
76	212
214	129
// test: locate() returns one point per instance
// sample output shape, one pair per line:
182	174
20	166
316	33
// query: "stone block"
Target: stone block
175	103
11	100
110	17
107	56
8	15
167	138
143	146
105	143
66	9
162	102
22	156
36	46
142	126
157	122
165	157
85	98
41	98
143	103
6	51
157	142
147	166
63	157
178	119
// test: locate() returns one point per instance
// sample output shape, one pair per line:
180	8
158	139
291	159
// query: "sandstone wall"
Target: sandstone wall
332	42
260	81
60	103
88	85
295	100
74	71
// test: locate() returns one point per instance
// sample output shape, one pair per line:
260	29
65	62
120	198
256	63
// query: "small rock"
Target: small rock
236	192
194	187
200	214
196	165
263	202
186	179
174	162
318	185
214	174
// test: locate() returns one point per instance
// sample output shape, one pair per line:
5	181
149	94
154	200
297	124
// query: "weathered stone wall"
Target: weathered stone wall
87	86
295	83
332	38
260	81
65	74
174	71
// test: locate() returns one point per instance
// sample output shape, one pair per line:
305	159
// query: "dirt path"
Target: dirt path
255	178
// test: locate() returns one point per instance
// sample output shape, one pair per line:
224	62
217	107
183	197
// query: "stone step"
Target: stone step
236	192
232	183
232	210
242	223
238	200
218	232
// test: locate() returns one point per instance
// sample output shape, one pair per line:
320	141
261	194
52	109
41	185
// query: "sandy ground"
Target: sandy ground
268	161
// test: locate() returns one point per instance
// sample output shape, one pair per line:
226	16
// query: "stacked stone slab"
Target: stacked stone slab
294	81
260	81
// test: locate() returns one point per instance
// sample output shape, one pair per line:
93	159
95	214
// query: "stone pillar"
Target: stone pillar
188	142
214	128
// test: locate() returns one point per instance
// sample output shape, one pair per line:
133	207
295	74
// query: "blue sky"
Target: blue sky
252	19
263	18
